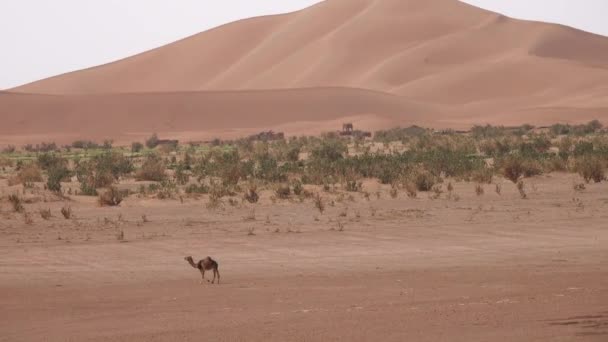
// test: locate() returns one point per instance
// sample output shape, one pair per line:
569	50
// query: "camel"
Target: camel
206	264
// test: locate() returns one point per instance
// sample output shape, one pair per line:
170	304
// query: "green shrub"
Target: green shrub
56	175
47	161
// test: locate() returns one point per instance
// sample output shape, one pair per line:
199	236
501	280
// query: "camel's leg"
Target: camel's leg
217	270
214	271
203	275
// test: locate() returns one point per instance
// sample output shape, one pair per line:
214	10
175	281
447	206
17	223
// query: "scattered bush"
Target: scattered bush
85	144
319	204
423	180
252	194
197	189
45	214
483	176
66	212
152	142
136	147
16	203
9	149
298	188
152	169
111	197
479	189
521	189
591	168
28	174
283	191
411	189
56	175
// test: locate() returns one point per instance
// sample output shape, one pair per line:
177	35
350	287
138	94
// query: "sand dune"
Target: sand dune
437	52
201	115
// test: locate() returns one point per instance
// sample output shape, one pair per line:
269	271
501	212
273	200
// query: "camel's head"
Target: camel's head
188	258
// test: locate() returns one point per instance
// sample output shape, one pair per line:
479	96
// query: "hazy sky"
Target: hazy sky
73	34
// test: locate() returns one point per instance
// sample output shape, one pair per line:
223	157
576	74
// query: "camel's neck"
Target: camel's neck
192	263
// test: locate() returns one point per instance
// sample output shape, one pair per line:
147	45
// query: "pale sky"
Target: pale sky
74	34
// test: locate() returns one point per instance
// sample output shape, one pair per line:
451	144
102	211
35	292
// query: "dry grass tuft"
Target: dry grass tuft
45	213
16	203
66	212
479	189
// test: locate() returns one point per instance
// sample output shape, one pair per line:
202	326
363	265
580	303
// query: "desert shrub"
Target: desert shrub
197	189
45	214
225	164
42	147
55	176
110	197
29	173
329	150
522	189
85	144
298	188
293	152
591	168
582	148
181	175
136	147
152	169
107	144
483	175
319	204
152	141
4	162
283	191
398	134
411	189
102	171
267	168
166	190
251	195
498	188
66	212
16	203
9	149
513	168
47	161
423	179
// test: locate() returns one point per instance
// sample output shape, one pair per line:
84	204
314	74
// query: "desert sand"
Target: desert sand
463	267
437	62
482	268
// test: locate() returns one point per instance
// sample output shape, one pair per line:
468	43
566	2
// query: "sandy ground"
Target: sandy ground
487	268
